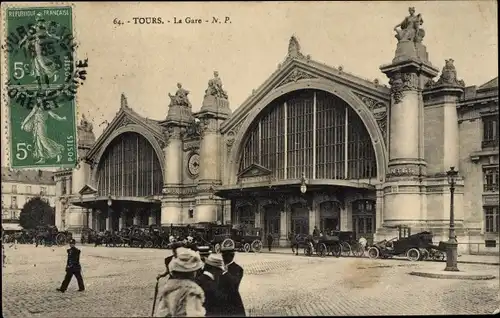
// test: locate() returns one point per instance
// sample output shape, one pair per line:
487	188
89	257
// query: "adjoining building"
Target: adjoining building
20	186
312	146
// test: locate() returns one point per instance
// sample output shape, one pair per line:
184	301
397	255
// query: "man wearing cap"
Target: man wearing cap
215	298
182	296
230	281
227	250
73	267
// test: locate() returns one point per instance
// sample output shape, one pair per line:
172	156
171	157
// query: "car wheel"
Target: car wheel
322	250
217	248
345	249
373	252
413	254
246	247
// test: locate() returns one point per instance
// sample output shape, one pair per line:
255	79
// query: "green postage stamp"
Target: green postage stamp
42	81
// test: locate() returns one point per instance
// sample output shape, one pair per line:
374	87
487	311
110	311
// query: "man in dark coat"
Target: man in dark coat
209	281
294	242
234	269
269	241
73	267
230	281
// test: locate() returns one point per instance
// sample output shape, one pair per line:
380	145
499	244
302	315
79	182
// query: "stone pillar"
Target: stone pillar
79	176
121	221
259	213
313	217
403	189
137	219
152	217
214	110
442	149
284	225
227	212
109	219
171	207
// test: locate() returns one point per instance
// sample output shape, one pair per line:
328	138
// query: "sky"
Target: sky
146	61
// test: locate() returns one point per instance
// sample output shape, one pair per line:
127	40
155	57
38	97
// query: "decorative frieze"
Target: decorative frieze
295	76
379	111
402	172
180	191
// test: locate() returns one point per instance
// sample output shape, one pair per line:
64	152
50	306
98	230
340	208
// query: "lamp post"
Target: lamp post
303	183
451	249
109	220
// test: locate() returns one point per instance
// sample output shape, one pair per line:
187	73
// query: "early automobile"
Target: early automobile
245	237
415	247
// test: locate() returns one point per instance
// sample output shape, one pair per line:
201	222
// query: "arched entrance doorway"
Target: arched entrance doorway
363	218
300	218
329	216
129	175
272	221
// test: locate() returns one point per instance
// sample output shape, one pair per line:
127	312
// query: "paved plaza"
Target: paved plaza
120	282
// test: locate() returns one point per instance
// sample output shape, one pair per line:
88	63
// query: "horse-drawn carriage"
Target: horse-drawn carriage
49	235
245	238
415	247
335	243
89	236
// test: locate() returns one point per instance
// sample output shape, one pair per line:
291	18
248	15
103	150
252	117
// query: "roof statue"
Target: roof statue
123	101
448	77
85	124
215	87
180	98
294	48
410	28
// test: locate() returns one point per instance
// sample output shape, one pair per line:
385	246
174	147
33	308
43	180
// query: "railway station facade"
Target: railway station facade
313	146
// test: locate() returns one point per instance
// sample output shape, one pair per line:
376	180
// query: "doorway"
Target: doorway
300	219
329	216
272	222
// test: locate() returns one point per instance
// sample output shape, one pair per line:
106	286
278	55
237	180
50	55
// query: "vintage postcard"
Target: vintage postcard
249	158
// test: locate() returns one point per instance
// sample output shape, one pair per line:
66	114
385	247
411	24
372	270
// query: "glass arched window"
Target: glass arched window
129	167
310	131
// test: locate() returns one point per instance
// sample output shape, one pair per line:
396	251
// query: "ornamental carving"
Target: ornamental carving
193	131
215	87
125	121
208	125
448	77
402	172
379	110
180	191
401	82
294	49
295	76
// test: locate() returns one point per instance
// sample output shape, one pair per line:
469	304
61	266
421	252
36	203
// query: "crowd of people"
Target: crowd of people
199	283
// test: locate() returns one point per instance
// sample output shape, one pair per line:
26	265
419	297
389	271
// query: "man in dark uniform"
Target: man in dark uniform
270	240
209	281
227	250
73	267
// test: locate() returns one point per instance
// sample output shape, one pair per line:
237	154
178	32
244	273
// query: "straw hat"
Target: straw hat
186	261
204	250
215	260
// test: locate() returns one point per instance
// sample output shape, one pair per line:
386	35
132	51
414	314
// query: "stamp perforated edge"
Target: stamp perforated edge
4	72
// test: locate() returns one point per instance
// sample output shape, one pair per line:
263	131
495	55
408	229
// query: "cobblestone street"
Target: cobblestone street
120	282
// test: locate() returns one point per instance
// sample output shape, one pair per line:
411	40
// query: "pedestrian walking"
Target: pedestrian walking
209	281
182	296
228	253
269	241
73	267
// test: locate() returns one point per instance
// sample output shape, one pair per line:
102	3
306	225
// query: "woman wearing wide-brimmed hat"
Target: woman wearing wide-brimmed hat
181	296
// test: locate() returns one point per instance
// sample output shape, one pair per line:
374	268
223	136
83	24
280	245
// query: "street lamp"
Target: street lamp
303	183
110	202
451	249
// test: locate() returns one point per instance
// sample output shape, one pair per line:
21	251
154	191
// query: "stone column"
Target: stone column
258	216
171	207
403	189
214	110
442	149
152	217
137	219
284	225
121	221
79	176
109	219
313	216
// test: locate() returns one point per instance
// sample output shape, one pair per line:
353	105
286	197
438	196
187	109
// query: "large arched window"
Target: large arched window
314	132
129	167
